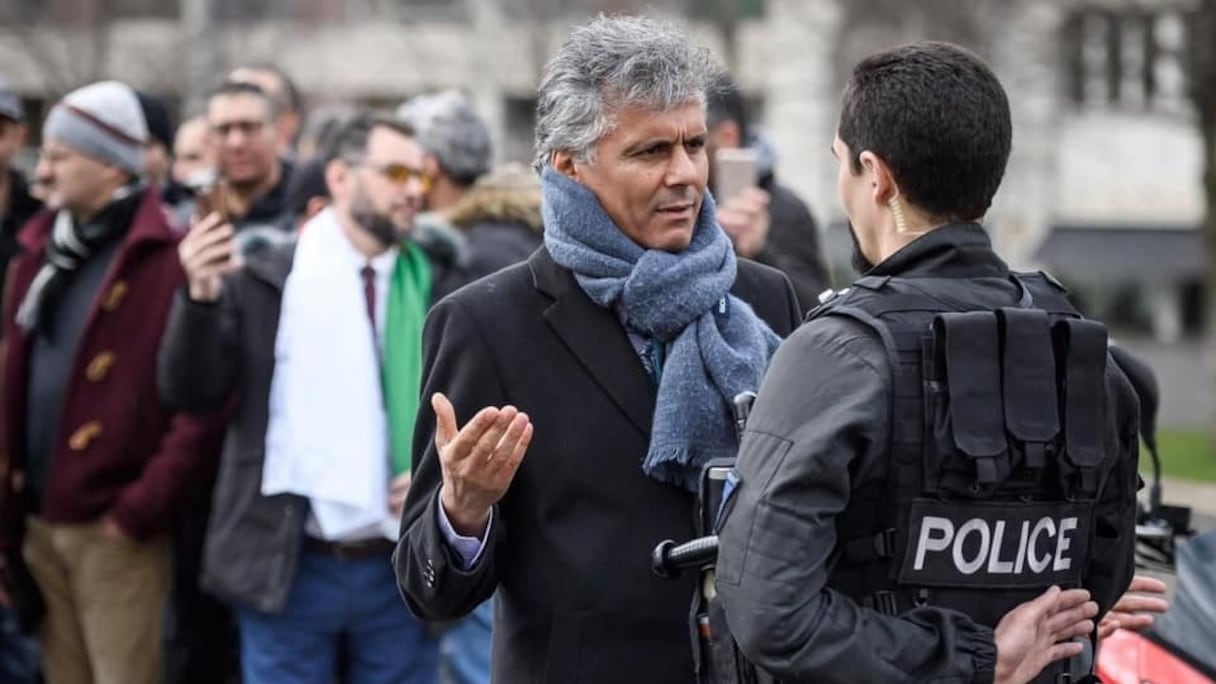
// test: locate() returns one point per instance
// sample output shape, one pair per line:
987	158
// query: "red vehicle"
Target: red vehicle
1130	658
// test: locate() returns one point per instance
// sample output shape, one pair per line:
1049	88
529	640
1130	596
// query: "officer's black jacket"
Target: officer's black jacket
819	429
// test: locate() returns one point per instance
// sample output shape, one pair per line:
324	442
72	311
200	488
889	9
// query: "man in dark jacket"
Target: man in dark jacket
768	223
318	344
499	219
623	339
821	570
96	469
16	204
243	135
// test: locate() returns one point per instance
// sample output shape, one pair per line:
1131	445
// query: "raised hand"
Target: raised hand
478	461
1133	610
206	254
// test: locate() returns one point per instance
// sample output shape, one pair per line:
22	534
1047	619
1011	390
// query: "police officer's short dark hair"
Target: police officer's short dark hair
939	118
350	141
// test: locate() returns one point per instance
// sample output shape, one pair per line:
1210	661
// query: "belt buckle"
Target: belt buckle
343	552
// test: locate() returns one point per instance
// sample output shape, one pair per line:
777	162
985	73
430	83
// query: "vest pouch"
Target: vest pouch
1030	396
1082	344
972	456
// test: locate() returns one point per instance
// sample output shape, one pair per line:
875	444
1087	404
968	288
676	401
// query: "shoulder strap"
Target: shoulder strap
1082	345
1041	291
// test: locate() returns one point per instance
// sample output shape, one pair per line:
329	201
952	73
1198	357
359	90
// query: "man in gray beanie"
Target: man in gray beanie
456	140
93	468
17	205
103	121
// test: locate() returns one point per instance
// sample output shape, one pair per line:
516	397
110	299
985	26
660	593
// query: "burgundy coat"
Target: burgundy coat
120	451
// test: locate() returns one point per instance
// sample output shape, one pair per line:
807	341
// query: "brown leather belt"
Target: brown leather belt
352	550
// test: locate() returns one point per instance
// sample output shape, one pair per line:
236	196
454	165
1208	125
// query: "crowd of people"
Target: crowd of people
327	395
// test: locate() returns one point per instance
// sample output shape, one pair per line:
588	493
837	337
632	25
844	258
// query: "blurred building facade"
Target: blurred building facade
1103	187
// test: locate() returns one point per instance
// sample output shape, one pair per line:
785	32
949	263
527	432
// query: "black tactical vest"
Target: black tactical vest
996	451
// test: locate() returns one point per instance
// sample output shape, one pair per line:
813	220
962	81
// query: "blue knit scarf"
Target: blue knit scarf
715	345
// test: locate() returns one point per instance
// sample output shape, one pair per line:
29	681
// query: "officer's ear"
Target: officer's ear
882	181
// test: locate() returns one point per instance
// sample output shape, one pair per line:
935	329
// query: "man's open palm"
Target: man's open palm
478	460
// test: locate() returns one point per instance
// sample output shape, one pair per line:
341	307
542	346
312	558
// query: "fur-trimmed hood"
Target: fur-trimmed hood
510	194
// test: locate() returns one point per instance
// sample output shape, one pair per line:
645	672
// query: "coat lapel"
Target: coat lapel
597	340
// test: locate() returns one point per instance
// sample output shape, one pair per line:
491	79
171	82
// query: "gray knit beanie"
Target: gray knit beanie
450	129
102	120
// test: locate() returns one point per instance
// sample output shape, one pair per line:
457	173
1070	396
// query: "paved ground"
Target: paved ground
1201	497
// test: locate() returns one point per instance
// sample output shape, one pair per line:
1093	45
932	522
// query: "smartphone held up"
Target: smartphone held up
735	170
210	195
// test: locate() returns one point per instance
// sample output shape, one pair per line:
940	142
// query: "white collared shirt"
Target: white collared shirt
383	264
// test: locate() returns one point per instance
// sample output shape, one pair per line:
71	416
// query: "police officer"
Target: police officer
937	480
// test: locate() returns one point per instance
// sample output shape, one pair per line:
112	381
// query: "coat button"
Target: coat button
99	367
85	435
114	296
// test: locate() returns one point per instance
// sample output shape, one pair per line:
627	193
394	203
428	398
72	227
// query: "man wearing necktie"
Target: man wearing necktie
319	345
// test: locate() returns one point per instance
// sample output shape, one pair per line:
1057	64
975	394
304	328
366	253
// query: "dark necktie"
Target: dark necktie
369	295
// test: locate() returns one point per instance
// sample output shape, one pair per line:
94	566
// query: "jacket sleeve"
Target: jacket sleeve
12	510
1113	547
800	452
431	575
199	360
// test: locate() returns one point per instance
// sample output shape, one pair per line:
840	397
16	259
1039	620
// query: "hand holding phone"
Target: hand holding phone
210	195
746	219
207	254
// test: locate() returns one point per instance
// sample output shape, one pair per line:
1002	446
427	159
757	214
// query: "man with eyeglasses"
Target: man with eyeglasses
318	344
288	100
241	117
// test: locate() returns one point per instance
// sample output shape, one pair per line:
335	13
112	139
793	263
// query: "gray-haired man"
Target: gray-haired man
622	339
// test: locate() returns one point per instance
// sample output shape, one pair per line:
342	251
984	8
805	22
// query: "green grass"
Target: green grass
1185	454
